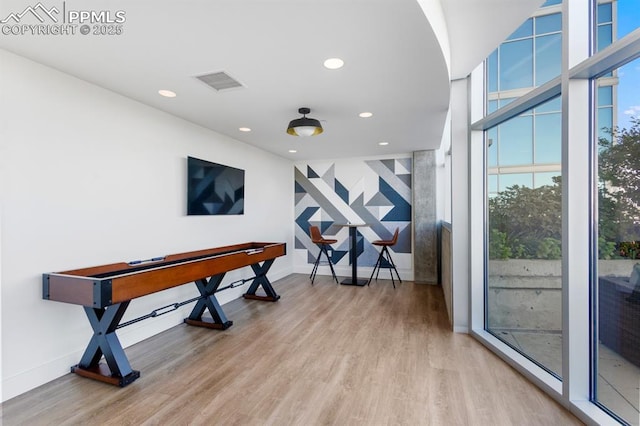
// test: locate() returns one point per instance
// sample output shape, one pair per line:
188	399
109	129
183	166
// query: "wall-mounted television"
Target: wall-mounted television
214	189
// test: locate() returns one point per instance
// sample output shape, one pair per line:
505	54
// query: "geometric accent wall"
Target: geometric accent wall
375	192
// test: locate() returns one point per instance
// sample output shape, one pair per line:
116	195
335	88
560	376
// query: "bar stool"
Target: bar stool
385	256
323	243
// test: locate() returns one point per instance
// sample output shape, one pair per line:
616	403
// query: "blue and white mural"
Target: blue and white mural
374	192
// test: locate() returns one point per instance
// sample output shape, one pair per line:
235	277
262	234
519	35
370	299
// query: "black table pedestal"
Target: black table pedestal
353	257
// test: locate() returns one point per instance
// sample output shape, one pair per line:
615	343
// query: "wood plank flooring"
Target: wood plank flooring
323	354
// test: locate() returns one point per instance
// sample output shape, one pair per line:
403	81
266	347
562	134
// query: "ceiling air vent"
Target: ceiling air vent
219	81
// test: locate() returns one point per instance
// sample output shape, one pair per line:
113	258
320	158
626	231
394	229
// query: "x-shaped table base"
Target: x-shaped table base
104	322
208	301
105	342
261	280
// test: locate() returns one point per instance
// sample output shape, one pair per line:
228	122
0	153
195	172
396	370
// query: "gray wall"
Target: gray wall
425	218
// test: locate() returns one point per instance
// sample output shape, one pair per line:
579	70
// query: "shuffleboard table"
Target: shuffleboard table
106	291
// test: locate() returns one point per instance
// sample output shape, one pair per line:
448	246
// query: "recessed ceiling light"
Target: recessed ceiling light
293	151
383	143
333	63
167	93
366	114
244	129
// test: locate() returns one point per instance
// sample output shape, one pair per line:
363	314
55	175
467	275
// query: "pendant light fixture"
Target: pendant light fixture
304	126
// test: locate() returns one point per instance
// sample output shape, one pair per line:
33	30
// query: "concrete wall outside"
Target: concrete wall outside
526	294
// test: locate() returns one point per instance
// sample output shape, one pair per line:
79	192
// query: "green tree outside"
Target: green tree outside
526	223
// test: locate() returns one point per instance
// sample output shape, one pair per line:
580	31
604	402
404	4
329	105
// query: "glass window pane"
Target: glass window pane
604	36
492	182
492	150
605	95
506	101
604	13
521	179
548	138
516	141
548	57
516	64
492	71
548	23
524	272
605	123
545	178
492	106
525	30
617	339
554	105
551	3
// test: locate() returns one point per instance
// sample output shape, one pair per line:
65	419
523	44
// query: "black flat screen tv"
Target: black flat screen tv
214	189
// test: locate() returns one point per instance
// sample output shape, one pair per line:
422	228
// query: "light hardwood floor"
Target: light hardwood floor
322	354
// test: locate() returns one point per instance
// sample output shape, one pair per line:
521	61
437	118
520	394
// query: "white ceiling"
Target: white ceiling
394	65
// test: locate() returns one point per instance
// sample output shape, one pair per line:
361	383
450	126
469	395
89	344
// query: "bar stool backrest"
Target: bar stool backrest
316	236
389	243
394	240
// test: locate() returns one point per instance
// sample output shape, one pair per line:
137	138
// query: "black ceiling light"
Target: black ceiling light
304	126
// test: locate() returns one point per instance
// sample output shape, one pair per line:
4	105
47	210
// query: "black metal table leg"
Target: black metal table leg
262	280
208	301
353	257
104	341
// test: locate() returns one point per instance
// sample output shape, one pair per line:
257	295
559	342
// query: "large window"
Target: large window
561	223
524	286
524	277
617	347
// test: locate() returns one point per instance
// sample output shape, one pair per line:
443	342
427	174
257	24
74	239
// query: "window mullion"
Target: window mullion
575	204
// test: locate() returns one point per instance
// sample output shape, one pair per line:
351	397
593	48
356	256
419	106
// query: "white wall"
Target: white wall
460	204
1	393
443	173
90	177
